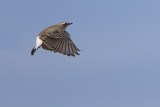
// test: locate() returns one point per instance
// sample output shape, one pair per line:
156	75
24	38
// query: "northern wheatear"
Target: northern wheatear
55	38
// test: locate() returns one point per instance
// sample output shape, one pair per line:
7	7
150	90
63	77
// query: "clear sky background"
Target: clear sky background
118	67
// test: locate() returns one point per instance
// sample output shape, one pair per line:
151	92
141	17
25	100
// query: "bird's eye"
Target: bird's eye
64	24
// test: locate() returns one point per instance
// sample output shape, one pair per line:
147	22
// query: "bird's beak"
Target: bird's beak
70	23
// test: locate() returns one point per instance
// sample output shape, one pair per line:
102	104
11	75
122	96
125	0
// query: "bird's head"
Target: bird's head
64	25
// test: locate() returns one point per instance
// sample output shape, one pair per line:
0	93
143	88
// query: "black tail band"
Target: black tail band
33	51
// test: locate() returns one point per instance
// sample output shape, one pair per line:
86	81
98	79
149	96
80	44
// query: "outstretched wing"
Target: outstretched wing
59	41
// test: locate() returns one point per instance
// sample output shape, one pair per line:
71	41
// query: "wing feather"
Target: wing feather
59	41
70	48
60	47
57	45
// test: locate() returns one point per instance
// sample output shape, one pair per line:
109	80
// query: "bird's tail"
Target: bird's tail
33	51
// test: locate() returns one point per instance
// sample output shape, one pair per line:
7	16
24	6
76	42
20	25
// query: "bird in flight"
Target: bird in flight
55	38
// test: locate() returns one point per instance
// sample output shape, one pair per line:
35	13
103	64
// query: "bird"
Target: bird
55	38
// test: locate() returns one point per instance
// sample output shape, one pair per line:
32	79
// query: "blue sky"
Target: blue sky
119	65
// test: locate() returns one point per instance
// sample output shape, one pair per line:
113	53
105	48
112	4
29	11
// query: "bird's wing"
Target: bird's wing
59	41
